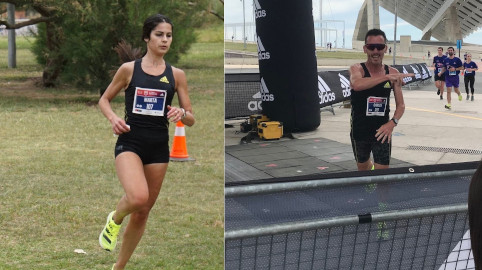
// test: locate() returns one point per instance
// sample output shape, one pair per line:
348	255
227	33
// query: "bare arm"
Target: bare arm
120	81
174	114
386	130
359	83
442	71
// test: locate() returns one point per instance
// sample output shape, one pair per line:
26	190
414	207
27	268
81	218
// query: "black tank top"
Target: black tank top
366	108
151	94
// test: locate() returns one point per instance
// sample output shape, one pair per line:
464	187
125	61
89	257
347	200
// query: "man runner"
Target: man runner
372	83
438	63
452	67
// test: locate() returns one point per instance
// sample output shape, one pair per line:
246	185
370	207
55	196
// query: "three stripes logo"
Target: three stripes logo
424	72
265	95
417	74
255	105
262	53
324	91
345	85
164	80
387	85
406	79
259	12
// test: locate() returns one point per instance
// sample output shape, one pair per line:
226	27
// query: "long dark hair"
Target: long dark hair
151	23
127	53
475	216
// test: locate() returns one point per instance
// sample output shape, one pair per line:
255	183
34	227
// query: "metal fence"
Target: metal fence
390	238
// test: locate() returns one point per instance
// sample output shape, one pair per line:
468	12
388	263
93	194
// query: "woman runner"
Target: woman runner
142	151
469	75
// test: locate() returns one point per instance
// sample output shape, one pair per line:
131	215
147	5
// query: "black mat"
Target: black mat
290	157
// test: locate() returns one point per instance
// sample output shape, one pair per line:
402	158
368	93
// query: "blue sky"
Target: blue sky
346	10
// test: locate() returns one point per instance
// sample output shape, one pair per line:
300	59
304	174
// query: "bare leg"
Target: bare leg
154	175
380	166
456	89
449	95
442	85
365	166
131	175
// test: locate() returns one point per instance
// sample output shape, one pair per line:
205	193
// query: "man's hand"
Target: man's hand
385	132
397	78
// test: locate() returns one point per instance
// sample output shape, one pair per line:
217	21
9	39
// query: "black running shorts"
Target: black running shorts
151	145
439	78
381	151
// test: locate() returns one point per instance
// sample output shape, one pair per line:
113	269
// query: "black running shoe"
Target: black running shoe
438	91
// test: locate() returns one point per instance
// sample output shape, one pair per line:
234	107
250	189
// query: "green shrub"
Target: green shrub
88	32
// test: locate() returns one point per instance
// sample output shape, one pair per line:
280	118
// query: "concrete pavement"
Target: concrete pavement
427	133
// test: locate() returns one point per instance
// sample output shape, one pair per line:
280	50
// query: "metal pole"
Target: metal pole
244	27
395	32
343	34
321	23
254	22
12	53
283	228
321	183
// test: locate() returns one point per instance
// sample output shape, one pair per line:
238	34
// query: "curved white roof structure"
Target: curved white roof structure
445	20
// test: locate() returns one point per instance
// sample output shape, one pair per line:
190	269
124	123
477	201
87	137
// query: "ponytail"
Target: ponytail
126	53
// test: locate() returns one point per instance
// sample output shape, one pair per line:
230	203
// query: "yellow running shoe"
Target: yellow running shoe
460	97
108	236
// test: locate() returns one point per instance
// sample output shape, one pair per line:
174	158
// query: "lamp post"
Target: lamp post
12	53
395	32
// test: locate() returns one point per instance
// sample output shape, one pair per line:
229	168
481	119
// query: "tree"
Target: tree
76	39
217	9
51	13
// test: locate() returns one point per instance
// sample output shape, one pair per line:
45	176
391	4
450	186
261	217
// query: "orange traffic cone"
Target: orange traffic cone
179	148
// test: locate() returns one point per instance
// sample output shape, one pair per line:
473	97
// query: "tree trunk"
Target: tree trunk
54	62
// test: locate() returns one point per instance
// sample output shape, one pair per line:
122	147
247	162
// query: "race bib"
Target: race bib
376	106
468	72
451	73
149	101
439	70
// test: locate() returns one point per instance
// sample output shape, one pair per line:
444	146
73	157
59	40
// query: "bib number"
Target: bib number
452	73
376	106
149	101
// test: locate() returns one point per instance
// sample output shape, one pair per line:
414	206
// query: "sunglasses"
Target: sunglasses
372	47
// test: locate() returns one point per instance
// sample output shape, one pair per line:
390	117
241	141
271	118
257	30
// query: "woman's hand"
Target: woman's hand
119	126
175	114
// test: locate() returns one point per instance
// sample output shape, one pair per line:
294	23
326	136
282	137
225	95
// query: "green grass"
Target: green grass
238	46
58	182
253	48
211	33
26	64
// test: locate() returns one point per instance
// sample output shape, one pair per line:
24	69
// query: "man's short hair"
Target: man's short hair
375	32
451	48
441	48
